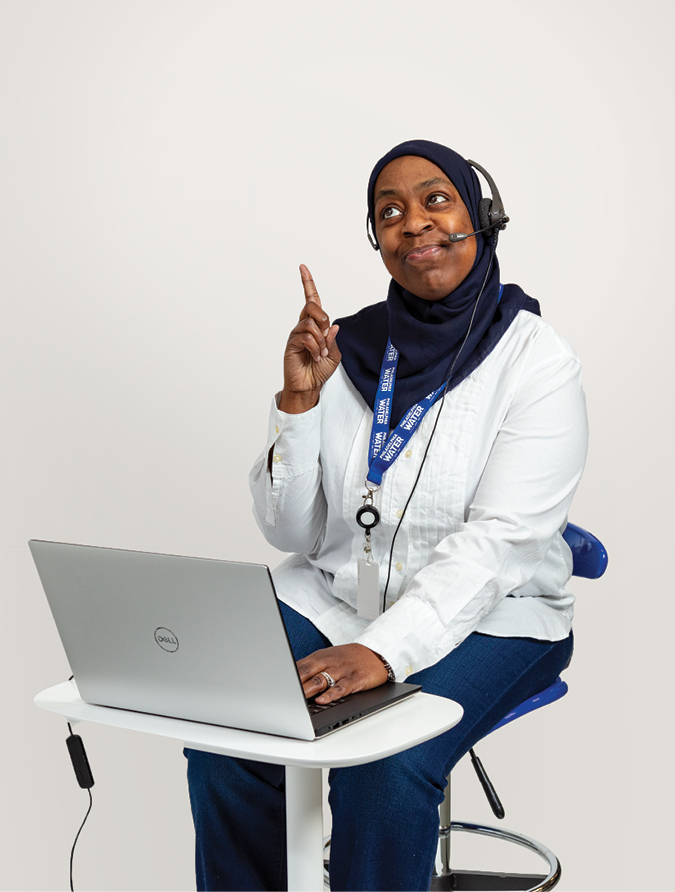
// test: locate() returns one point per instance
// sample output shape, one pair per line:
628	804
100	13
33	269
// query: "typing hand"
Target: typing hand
353	667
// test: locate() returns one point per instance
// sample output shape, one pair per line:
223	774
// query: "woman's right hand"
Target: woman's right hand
312	354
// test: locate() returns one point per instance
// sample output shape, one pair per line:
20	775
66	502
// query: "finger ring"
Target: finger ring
331	681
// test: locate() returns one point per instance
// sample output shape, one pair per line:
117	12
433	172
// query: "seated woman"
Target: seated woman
458	413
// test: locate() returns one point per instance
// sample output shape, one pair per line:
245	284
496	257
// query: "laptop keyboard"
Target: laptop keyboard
315	708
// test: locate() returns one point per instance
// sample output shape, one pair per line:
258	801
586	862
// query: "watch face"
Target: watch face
367	517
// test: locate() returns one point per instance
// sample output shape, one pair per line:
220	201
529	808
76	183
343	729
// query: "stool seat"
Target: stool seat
549	695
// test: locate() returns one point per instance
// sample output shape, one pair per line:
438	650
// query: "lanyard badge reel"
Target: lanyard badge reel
368	583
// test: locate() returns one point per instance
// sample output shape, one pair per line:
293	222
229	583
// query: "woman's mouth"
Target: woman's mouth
423	252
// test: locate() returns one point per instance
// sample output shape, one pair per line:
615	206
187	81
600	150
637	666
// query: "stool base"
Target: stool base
488	881
485	881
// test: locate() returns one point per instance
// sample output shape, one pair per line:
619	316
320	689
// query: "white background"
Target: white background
164	167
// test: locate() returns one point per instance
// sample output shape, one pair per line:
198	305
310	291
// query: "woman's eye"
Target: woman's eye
436	198
390	212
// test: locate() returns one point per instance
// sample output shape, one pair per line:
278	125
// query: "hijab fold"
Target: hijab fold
429	334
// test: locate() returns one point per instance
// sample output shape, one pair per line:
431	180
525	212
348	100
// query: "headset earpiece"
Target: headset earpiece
491	211
484	208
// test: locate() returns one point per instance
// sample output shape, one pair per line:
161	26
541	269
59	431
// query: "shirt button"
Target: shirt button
276	429
399	566
399	512
408	670
408	453
277	458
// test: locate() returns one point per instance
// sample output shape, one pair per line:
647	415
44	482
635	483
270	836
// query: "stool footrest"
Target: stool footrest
529	882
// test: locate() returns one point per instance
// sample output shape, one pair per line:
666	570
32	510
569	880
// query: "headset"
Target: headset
491	214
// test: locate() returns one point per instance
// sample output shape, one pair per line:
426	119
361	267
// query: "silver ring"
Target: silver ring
331	681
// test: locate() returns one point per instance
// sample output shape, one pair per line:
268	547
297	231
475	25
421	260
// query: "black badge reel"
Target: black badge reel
368	517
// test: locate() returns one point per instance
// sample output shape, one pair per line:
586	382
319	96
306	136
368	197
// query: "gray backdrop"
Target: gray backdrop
165	167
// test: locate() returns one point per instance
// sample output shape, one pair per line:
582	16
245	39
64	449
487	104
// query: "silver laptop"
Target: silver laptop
186	637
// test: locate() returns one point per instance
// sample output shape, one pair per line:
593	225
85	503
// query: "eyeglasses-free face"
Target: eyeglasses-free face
416	208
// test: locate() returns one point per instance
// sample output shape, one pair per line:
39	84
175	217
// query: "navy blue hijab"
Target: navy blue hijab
429	334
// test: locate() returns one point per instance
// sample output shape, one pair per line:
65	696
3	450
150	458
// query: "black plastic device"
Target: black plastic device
78	757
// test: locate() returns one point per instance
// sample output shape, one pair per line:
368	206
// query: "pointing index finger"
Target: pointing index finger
311	294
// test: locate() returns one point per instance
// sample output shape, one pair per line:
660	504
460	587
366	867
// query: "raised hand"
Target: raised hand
312	354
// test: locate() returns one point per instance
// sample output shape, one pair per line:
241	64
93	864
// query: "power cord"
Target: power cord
85	779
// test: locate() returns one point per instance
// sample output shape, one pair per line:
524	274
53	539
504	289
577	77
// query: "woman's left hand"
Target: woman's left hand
354	667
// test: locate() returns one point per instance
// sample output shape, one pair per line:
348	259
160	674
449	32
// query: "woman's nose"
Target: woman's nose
417	220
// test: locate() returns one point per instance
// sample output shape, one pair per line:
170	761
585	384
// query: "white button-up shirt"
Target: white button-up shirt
480	547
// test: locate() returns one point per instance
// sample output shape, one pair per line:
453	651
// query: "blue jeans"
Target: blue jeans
385	813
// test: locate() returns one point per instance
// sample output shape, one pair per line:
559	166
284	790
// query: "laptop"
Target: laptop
191	638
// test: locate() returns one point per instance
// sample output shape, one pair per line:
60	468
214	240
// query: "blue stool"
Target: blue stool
590	561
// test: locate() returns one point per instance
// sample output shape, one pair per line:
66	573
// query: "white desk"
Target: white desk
403	725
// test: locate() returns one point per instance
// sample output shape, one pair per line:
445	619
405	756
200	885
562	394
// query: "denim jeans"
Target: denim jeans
385	813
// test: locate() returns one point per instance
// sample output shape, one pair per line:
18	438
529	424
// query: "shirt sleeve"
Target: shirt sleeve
519	507
288	501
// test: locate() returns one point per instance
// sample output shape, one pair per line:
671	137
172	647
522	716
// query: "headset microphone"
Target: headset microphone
460	236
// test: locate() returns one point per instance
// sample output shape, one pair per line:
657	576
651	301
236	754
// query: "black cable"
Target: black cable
72	851
85	779
438	415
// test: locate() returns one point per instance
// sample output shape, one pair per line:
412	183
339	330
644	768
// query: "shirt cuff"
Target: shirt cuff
409	636
295	440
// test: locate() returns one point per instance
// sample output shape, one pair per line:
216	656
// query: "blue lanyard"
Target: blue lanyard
384	447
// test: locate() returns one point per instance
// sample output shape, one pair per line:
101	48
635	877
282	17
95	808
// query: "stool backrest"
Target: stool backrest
588	553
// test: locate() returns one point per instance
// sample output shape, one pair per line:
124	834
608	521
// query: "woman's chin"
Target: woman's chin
430	290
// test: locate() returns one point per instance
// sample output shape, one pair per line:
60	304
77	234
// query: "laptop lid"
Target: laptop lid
190	638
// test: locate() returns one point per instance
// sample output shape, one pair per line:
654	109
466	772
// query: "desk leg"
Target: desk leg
304	829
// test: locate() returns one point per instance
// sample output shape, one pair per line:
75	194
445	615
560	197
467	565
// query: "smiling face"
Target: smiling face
416	209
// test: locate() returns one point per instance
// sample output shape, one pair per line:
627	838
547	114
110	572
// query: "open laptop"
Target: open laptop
186	637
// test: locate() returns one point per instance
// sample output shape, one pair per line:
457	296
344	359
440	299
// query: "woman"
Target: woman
472	500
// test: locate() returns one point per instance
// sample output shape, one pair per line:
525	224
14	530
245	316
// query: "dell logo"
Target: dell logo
166	639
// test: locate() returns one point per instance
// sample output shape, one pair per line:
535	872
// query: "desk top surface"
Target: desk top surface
397	728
